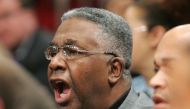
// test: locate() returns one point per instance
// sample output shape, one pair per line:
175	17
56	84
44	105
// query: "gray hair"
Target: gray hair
116	31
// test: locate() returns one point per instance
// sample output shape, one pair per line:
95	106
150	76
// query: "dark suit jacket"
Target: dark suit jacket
30	54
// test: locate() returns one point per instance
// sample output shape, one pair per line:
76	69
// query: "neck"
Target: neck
118	91
108	98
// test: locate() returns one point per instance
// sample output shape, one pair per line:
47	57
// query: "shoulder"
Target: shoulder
137	101
139	84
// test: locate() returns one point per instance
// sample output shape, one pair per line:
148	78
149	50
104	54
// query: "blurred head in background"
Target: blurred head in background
17	21
149	22
21	34
117	6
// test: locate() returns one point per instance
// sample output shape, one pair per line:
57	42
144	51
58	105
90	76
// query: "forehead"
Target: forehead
174	45
135	15
118	6
9	5
79	31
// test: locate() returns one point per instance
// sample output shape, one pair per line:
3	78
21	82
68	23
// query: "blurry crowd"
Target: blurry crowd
27	28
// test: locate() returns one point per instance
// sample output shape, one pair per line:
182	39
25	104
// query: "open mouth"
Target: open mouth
62	91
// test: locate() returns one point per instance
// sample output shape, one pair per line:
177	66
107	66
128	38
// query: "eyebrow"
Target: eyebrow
70	42
163	60
52	44
66	42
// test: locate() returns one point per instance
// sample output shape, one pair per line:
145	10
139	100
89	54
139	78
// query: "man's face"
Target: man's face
135	17
10	23
172	66
79	81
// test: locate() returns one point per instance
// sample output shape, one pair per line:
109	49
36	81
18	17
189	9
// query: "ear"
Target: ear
155	35
117	68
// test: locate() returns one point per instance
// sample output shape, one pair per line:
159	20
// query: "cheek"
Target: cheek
183	88
88	76
180	96
14	31
179	85
14	24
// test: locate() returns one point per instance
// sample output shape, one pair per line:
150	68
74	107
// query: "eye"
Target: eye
52	51
156	69
70	51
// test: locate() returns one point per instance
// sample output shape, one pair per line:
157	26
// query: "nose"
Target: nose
158	81
57	64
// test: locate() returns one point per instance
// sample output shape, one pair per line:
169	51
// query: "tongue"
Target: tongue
64	96
66	90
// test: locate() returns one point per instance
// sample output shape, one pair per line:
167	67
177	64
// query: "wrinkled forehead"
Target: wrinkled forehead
78	31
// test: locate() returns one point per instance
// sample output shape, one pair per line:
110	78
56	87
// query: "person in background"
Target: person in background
90	56
149	22
171	61
18	90
117	6
21	34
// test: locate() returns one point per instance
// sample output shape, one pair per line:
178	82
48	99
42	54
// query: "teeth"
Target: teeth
58	82
62	95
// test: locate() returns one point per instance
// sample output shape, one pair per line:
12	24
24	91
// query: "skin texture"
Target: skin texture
118	6
92	83
171	82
